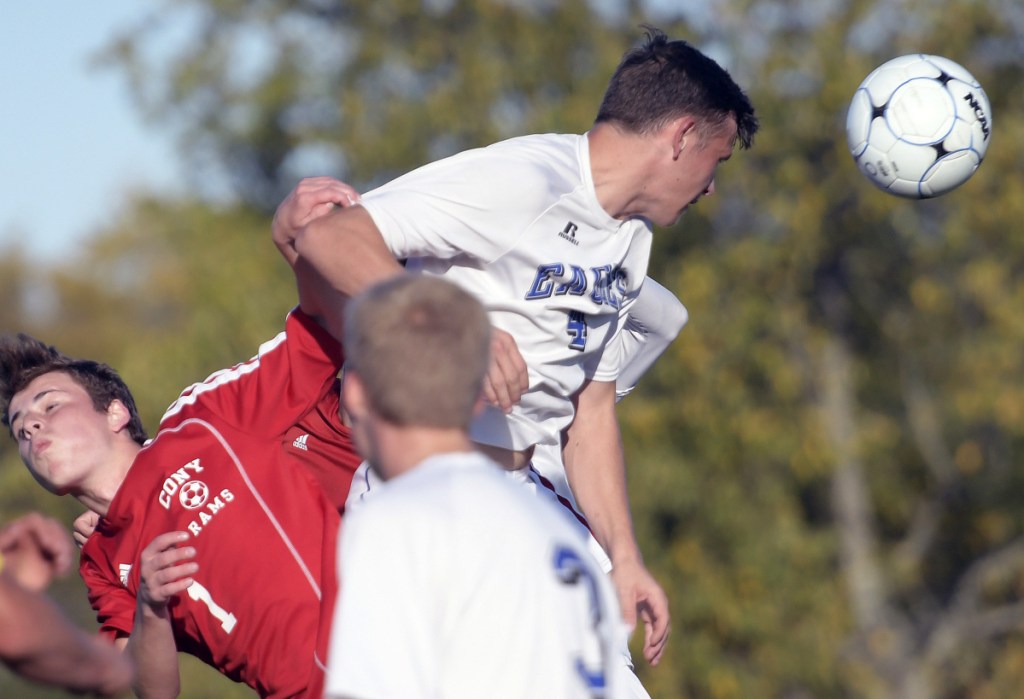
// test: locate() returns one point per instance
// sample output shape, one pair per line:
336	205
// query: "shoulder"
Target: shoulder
519	165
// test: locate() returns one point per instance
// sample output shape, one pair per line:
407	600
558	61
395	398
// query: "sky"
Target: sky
72	145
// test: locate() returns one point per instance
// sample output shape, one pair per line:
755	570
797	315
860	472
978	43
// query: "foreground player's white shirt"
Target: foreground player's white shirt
518	224
456	583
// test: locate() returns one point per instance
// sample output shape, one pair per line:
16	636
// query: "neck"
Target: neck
99	491
618	162
398	450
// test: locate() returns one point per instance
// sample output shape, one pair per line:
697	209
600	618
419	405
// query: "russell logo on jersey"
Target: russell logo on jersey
569	233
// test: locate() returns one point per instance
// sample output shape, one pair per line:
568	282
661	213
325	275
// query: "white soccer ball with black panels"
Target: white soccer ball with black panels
919	126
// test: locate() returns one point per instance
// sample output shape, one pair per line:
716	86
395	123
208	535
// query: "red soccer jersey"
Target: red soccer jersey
263	529
317	439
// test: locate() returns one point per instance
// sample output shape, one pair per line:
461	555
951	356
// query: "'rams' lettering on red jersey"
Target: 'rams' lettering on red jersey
214	506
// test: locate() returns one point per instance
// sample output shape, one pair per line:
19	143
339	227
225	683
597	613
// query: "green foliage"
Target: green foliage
364	89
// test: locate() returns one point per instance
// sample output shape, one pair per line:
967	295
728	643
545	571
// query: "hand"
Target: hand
165	570
312	198
84	526
507	378
641	597
35	549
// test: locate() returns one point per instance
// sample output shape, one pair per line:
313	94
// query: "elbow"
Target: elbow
677	317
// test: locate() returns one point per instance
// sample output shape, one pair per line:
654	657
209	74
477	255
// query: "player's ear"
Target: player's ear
353	395
682	132
118	415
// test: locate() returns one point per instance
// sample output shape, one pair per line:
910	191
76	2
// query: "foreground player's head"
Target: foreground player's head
419	347
662	80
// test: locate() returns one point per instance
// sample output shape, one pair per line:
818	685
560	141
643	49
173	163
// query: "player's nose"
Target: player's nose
31	426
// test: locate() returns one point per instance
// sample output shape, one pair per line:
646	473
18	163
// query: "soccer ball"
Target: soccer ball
919	126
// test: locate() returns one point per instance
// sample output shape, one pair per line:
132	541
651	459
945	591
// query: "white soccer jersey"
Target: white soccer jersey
454	583
519	225
652	323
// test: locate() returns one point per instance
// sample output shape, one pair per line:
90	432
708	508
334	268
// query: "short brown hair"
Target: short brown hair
421	347
24	358
662	80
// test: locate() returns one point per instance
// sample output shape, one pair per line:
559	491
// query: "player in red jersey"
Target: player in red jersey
214	539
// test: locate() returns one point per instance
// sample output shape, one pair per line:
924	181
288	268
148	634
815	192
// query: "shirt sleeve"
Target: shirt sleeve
292	372
113	603
449	208
652	322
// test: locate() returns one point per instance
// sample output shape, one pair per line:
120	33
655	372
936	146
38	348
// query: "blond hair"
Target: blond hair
421	347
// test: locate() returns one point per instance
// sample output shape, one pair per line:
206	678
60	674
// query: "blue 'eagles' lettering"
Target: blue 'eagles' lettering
609	283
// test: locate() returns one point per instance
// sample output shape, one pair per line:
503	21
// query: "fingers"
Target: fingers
641	597
312	198
84	526
166	568
656	630
507	378
40	537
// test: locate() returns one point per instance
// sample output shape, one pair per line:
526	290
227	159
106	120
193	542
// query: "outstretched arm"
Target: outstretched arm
37	640
311	199
596	470
339	240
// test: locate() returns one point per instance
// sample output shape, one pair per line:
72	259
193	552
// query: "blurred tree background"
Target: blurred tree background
823	467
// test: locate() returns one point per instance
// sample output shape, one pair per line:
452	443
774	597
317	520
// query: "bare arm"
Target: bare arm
166	569
311	199
596	470
39	642
347	249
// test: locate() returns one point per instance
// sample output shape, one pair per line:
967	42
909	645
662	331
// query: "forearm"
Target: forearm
346	249
319	299
155	654
596	470
40	643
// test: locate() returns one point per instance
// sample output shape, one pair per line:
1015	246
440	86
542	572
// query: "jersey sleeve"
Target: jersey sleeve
448	208
113	603
292	372
652	322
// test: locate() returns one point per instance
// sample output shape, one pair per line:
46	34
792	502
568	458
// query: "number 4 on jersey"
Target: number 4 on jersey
577	330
